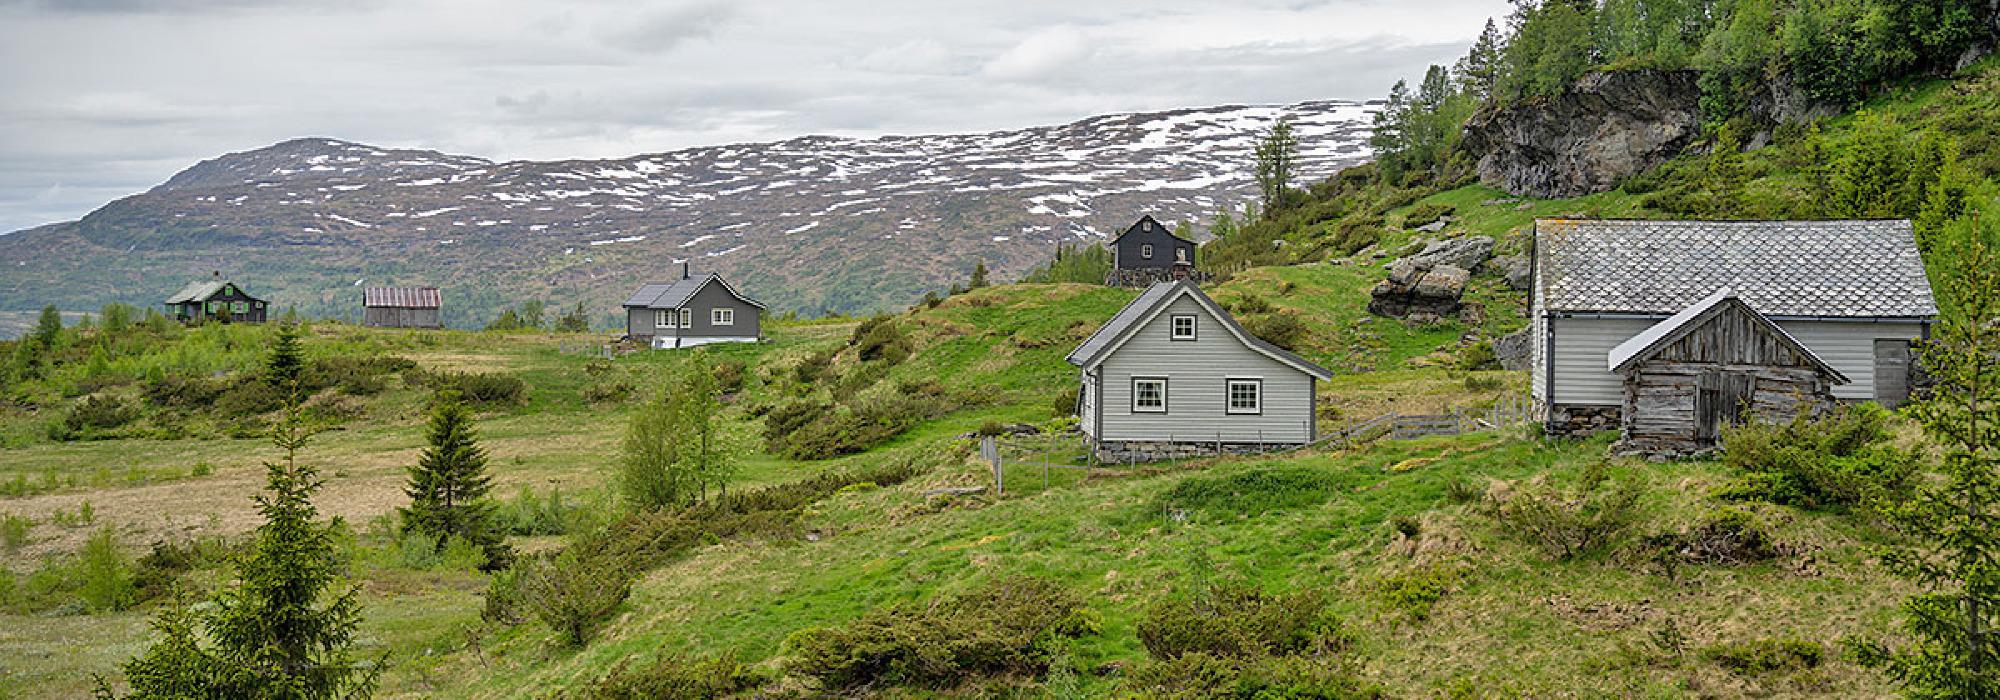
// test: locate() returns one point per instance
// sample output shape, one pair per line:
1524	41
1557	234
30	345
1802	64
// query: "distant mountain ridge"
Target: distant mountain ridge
813	224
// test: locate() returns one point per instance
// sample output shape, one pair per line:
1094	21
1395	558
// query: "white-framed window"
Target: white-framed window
663	318
687	318
1149	395
1246	395
1183	326
1146	251
722	317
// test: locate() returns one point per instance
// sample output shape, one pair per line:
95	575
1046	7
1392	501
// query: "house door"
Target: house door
1892	372
1720	399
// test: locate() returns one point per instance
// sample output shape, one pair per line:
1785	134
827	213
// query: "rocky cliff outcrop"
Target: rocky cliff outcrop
1607	127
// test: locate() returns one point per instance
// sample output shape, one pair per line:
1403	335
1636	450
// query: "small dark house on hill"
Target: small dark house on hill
692	311
401	307
1149	252
1715	363
215	299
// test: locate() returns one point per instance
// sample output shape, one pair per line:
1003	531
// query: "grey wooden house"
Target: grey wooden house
215	299
692	311
1715	363
1850	295
401	307
1149	252
1173	374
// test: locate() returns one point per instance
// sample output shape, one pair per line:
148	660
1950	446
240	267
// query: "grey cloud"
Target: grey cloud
659	31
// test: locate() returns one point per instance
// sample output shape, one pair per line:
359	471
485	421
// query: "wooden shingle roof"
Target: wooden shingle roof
1842	269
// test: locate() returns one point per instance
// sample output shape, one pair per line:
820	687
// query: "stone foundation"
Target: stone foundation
1131	452
1571	420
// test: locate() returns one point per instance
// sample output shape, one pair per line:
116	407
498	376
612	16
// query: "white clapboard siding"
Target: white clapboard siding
1196	371
1584	344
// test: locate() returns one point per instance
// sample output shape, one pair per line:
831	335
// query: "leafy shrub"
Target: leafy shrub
104	574
1417	592
1250	304
180	391
472	387
1722	536
1004	627
730	374
1252	492
1280	328
1065	403
359	375
96	413
612	391
574	592
529	514
158	570
249	398
828	430
1477	356
1567	524
879	338
1764	655
1426	213
1236	621
1200	676
1838	459
14	531
814	366
674	676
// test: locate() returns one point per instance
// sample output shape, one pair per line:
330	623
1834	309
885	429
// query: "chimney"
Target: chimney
215	273
684	269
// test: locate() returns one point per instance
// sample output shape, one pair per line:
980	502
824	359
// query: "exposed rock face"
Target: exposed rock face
1461	252
1608	126
1512	350
1419	290
1513	268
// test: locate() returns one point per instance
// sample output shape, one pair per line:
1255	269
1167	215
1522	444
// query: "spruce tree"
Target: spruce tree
1955	523
978	276
449	486
287	359
269	635
48	329
1277	156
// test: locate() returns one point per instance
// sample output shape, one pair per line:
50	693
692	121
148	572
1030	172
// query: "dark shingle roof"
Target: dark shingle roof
673	294
1865	269
402	297
1115	331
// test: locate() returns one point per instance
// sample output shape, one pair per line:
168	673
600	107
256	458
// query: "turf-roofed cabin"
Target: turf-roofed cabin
1670	329
1174	375
690	312
215	299
401	307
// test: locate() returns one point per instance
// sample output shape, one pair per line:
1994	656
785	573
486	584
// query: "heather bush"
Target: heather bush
1570	523
674	676
1006	627
1839	459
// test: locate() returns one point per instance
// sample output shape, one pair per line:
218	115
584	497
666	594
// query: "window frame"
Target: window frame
1174	327
1229	385
663	318
1162	408
722	317
687	317
1146	251
239	307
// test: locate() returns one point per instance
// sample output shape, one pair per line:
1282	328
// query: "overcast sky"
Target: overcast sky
104	98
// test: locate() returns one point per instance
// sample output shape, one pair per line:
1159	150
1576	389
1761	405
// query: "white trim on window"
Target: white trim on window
1243	396
1146	251
722	317
661	319
1177	330
1149	394
687	318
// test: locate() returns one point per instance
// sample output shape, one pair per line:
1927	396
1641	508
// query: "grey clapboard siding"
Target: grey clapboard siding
1582	346
714	296
1197	371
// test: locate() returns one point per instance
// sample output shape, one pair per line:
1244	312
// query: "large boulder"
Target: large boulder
1607	127
1458	252
1419	290
1513	268
1513	350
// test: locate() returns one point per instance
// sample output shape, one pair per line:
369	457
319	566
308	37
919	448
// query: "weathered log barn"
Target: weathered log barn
215	299
1851	294
401	307
1715	363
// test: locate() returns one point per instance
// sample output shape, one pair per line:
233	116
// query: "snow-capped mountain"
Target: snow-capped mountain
812	224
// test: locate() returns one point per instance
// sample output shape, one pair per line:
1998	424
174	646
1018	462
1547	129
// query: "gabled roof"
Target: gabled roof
1840	269
1649	342
671	295
1137	225
197	291
1156	299
402	297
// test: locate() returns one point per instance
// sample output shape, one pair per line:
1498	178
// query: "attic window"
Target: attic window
1146	251
1146	225
1183	327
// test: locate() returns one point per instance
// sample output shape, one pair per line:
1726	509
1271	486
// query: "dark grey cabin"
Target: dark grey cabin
215	299
401	307
1150	245
1174	375
692	311
1851	293
1716	363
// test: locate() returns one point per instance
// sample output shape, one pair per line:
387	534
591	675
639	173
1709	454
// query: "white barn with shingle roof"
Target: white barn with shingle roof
1853	293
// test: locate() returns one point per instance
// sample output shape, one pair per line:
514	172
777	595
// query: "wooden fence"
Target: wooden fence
585	347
